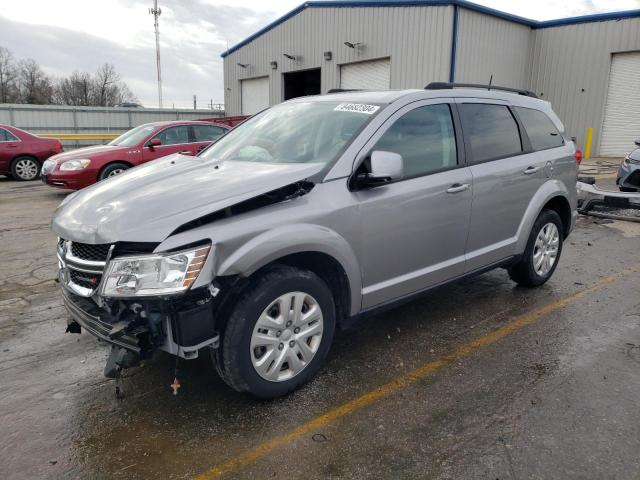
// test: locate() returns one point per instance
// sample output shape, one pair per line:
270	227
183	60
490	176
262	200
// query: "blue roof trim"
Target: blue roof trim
598	17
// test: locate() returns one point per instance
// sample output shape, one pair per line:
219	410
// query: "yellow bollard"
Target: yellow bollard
587	146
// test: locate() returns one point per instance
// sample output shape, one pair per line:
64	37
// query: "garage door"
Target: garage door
622	111
255	95
371	75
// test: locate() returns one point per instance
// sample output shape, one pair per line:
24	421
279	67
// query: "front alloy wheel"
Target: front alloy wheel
278	333
286	336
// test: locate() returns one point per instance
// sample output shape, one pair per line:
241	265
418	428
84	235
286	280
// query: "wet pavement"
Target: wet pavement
557	398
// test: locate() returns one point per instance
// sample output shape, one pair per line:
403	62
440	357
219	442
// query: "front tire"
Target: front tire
25	169
278	334
542	254
112	170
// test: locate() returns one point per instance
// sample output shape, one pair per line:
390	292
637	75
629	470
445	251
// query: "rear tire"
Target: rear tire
112	170
542	253
25	169
278	334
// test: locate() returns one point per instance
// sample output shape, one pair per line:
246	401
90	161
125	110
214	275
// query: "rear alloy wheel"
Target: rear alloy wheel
25	168
112	170
542	254
278	334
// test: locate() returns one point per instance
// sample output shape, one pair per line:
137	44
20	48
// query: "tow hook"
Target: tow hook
119	359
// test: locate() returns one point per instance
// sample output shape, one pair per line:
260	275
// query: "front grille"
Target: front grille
86	251
85	280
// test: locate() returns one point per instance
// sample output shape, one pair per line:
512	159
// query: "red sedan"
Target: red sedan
83	167
22	154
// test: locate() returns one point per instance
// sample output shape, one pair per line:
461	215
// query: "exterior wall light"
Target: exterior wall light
274	65
328	56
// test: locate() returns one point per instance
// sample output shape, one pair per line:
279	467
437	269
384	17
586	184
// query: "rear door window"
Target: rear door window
491	131
542	133
207	133
425	138
7	136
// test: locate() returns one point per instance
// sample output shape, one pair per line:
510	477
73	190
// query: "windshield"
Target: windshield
294	133
133	137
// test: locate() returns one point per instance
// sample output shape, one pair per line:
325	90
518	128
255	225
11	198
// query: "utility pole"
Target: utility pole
155	11
195	103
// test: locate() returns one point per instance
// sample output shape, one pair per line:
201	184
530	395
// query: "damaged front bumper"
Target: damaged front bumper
590	197
179	325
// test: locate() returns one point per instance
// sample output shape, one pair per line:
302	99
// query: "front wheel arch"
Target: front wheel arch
104	167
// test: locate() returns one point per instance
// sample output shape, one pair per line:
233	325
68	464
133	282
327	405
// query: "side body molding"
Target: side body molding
289	239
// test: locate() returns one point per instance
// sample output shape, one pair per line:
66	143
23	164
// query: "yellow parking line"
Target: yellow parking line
407	379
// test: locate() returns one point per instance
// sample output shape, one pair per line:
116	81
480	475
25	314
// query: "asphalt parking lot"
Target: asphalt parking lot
479	379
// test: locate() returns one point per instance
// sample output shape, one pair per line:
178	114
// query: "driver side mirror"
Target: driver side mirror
637	142
154	142
385	168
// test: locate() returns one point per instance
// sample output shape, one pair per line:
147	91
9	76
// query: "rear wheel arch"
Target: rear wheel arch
17	158
561	206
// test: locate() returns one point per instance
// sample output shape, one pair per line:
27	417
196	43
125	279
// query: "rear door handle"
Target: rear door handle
458	187
531	170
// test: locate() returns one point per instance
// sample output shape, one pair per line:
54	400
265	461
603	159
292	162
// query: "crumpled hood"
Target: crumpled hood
86	152
147	203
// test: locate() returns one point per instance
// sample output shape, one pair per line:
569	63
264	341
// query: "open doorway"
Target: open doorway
299	84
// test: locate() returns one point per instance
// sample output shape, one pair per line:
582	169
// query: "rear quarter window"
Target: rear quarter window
491	131
541	131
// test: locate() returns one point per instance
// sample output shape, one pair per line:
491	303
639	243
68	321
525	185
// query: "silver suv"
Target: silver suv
309	215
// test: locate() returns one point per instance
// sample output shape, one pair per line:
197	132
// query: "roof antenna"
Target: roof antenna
490	81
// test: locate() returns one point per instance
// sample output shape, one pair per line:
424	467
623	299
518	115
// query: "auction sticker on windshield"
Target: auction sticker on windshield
357	107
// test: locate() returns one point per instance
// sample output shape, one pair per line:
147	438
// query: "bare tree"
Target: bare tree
8	77
76	89
26	82
35	86
109	90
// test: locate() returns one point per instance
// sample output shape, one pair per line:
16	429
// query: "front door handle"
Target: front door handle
458	187
531	170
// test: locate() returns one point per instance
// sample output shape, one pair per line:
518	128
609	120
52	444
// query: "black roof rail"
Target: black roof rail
447	86
340	90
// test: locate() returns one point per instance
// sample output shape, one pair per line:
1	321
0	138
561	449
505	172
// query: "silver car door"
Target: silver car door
414	230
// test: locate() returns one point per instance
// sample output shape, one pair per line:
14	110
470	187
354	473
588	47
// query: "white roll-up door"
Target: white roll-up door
621	124
255	95
370	75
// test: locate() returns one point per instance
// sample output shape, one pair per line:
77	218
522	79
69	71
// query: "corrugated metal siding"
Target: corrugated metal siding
417	39
61	119
492	46
571	70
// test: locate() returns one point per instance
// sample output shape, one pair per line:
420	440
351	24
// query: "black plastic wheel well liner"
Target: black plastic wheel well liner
330	271
561	206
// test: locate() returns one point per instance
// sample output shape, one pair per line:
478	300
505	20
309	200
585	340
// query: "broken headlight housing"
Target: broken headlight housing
155	274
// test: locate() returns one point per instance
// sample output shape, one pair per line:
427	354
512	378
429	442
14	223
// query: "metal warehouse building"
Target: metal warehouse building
587	67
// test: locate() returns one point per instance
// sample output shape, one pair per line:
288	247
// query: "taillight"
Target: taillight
578	157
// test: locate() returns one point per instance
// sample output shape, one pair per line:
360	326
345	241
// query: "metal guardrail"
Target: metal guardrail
80	136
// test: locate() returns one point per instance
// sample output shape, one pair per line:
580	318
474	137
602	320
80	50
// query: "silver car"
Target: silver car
628	179
310	215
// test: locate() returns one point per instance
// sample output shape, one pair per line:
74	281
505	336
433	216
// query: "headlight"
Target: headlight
47	166
157	274
78	164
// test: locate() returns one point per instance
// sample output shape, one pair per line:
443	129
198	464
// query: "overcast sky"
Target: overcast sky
66	35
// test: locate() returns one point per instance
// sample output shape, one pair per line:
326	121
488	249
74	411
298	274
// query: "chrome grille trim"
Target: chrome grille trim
68	261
